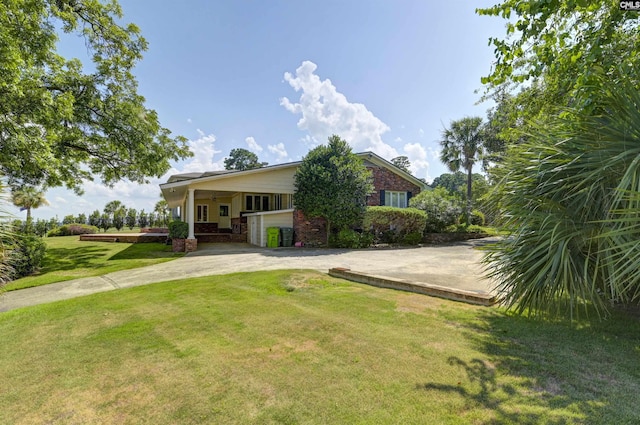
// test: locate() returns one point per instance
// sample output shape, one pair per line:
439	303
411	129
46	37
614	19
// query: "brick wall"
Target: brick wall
239	226
384	179
309	231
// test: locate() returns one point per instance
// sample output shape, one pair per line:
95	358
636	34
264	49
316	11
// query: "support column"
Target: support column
191	214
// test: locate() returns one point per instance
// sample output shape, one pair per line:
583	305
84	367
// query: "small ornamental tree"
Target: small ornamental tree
333	183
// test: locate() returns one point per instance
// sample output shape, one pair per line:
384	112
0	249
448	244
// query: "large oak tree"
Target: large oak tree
62	123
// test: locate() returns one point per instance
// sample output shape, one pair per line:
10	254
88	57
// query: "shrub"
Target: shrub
413	238
456	228
391	225
475	229
441	208
477	218
73	229
26	255
178	229
348	238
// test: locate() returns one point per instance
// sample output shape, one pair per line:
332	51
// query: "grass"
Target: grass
293	347
69	258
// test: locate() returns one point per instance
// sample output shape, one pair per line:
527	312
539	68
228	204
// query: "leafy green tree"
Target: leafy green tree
462	147
570	197
68	219
131	218
143	219
242	159
332	182
451	181
561	49
82	218
402	162
94	218
562	40
105	222
41	227
61	124
28	197
118	218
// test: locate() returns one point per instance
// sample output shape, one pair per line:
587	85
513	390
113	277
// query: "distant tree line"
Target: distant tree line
114	215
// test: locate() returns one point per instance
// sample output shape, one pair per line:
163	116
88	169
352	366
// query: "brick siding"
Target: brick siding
384	179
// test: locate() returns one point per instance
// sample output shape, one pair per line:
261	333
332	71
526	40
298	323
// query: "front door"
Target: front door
225	216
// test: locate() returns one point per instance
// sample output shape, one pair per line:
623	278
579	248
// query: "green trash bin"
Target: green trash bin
273	237
286	236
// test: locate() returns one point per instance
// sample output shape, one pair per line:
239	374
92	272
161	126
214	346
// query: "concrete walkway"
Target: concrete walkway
454	265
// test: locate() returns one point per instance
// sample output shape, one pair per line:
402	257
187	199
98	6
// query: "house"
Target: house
238	206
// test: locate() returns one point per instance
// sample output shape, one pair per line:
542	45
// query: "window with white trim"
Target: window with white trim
202	213
395	199
256	203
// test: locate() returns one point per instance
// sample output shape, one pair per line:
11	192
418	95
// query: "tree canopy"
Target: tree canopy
242	159
61	124
402	162
332	182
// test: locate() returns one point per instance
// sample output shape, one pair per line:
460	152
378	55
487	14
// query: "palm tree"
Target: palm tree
28	197
162	209
463	146
569	195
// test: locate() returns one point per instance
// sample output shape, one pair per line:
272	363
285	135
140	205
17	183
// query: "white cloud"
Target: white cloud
417	155
278	150
204	151
189	120
421	132
325	111
253	145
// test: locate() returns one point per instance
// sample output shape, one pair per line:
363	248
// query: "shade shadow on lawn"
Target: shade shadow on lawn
140	251
57	259
538	372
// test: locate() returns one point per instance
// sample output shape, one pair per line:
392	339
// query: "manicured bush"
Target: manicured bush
178	229
26	255
348	238
73	229
391	225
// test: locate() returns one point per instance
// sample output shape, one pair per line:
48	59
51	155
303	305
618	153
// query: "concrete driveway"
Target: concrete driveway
453	265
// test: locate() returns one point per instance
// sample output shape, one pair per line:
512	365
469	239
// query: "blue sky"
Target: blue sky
279	77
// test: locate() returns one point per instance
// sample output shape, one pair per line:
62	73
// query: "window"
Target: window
282	201
256	203
224	210
395	199
202	213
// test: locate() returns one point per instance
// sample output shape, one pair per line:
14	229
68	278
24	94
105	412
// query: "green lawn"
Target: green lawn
69	258
292	347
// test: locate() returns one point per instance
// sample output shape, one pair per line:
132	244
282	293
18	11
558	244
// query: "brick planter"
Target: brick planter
178	244
190	245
